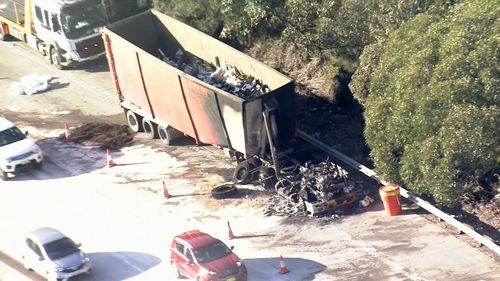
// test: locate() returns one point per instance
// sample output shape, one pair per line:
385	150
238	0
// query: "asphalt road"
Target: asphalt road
126	225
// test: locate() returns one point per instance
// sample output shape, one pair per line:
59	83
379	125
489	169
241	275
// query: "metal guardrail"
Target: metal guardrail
405	193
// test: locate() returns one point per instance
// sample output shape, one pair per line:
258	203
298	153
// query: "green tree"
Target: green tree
385	17
432	116
201	14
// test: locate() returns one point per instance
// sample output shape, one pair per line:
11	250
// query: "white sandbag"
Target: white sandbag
31	84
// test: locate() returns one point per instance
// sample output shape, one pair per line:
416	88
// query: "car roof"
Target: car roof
47	234
5	124
197	239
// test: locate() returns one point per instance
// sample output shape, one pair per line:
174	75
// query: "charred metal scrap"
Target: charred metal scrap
225	77
312	189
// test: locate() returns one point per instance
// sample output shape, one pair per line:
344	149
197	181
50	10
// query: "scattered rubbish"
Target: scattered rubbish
311	189
365	202
225	77
31	84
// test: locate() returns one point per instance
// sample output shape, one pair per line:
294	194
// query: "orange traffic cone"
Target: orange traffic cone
109	159
67	133
165	190
230	231
283	268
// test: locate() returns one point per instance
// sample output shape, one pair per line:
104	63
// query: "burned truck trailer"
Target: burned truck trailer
159	67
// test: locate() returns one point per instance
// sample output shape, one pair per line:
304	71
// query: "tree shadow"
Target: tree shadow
118	266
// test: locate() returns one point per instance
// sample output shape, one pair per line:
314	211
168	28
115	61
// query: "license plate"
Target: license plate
231	279
25	162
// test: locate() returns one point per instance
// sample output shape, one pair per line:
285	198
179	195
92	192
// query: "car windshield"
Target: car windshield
215	251
11	135
83	18
60	248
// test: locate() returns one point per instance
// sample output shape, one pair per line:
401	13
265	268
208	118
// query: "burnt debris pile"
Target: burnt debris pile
311	189
227	78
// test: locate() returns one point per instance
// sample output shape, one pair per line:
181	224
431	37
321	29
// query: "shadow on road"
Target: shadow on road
269	269
99	65
118	266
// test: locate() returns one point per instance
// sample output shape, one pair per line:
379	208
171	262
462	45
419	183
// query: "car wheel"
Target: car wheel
25	265
224	191
175	271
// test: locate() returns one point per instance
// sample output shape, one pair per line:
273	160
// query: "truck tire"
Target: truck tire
133	121
150	128
55	58
267	177
3	175
224	191
241	174
3	37
167	134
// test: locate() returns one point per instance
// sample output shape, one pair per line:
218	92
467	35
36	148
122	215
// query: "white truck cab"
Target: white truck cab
16	149
68	31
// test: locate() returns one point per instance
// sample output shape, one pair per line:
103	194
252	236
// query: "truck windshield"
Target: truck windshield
83	18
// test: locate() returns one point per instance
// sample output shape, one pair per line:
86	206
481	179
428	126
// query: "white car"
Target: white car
16	149
53	255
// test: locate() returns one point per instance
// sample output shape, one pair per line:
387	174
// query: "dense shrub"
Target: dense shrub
432	116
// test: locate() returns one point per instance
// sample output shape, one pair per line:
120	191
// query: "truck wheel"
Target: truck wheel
55	58
3	37
150	128
133	121
4	176
224	191
241	173
167	134
267	177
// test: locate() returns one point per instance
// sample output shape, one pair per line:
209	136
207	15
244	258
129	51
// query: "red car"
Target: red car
199	256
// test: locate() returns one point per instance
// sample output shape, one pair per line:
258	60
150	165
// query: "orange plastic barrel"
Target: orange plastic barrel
390	198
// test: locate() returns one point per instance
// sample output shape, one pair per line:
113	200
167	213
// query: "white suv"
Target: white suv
16	149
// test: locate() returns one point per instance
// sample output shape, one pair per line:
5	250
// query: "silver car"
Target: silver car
53	255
